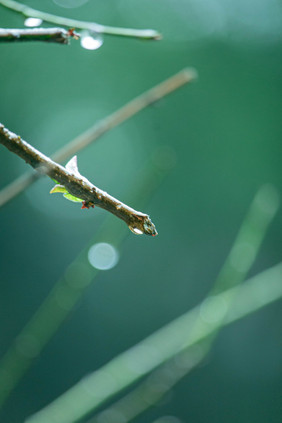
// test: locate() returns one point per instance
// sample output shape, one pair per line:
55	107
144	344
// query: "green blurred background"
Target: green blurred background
222	135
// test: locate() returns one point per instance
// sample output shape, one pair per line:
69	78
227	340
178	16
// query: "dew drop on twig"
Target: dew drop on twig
33	22
136	230
90	40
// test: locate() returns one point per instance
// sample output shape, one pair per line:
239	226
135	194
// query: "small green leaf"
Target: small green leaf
58	188
70	197
67	195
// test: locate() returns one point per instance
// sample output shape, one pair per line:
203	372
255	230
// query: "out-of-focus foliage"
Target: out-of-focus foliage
221	137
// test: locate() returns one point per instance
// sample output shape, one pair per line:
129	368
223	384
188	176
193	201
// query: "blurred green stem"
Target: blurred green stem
213	312
145	34
86	396
198	324
127	111
68	290
256	293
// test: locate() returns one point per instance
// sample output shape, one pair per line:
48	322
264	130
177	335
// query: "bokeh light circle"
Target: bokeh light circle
103	256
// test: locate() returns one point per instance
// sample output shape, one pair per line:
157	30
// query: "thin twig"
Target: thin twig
96	131
146	34
49	35
77	186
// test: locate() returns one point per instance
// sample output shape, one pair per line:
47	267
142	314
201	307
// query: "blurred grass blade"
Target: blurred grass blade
214	312
182	333
69	289
88	394
253	295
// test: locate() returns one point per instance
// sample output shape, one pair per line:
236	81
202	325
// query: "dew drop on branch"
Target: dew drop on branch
33	22
136	231
90	40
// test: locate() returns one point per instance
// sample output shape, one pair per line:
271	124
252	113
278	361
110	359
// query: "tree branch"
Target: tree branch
49	35
147	34
130	109
77	186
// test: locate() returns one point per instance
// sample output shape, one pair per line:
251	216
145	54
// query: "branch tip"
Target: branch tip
190	74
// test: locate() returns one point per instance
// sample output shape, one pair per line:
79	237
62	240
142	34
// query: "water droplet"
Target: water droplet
90	40
136	230
32	22
103	256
